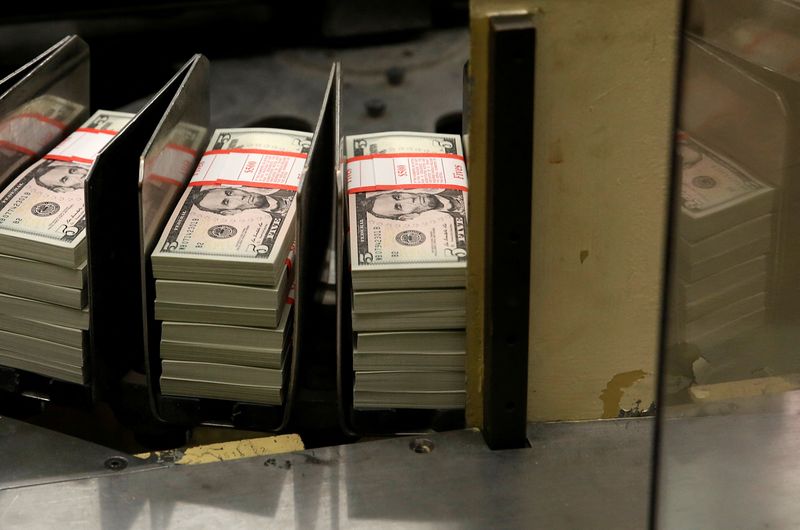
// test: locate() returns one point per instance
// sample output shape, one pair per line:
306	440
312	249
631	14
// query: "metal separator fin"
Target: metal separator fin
189	108
315	213
114	230
61	70
313	210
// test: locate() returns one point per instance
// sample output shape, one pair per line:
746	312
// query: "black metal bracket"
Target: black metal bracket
509	152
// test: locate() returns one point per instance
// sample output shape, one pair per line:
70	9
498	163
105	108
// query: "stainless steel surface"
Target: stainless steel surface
33	455
188	111
315	201
62	70
736	468
575	475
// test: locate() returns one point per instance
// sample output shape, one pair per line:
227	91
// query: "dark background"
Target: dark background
137	46
402	69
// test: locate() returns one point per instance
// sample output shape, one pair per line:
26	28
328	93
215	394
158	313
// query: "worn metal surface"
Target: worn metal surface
575	475
737	466
33	455
290	84
726	471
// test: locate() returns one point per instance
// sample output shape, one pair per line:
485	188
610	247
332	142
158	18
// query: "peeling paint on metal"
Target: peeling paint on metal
611	396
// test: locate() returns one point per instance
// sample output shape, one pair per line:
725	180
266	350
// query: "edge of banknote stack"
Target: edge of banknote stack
722	248
44	314
224	270
407	213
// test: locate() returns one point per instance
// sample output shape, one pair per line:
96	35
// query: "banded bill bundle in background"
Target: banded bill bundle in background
407	210
223	269
725	237
44	316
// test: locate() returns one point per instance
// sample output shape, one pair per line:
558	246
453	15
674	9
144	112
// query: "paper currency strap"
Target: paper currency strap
259	168
31	129
395	171
82	145
171	164
289	261
181	148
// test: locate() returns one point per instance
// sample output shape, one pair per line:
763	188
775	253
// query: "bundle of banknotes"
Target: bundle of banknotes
44	316
725	237
407	212
223	269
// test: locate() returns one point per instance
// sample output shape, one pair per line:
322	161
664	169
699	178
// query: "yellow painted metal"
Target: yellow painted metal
231	450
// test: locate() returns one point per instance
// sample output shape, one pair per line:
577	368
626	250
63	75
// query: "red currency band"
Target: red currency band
161	178
96	131
18	148
70	159
751	46
184	149
405	155
39	117
259	184
256	152
247	184
289	261
390	187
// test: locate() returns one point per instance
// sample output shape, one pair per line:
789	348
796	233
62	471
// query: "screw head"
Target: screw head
116	463
375	107
395	75
421	445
